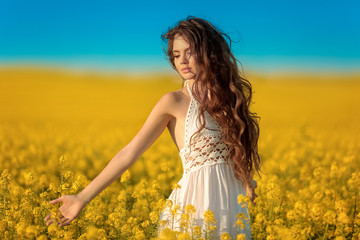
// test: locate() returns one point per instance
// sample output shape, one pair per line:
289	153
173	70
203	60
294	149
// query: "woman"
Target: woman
210	123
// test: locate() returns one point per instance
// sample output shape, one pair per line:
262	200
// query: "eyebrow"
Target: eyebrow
179	51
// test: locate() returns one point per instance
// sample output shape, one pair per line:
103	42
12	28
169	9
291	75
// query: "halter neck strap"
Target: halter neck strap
188	87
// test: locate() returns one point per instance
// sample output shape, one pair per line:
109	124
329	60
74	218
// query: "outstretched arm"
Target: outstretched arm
125	158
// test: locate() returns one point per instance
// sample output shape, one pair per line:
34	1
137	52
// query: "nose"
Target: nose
184	59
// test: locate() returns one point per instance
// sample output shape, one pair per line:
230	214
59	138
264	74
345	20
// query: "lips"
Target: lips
186	70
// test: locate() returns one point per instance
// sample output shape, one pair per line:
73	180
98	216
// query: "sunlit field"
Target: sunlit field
58	131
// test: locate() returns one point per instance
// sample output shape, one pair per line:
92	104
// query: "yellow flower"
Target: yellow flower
300	206
340	238
176	186
154	217
197	230
65	186
341	206
167	234
145	224
68	174
225	236
241	236
316	210
5	179
184	236
242	200
329	217
184	222
209	216
139	235
125	176
155	185
92	233
190	208
160	204
169	203
132	221
162	223
318	196
21	228
212	228
260	218
240	223
53	228
42	237
29	178
174	211
164	166
354	181
63	160
122	196
126	229
37	211
317	172
3	225
305	231
185	216
343	218
279	222
330	193
334	170
241	215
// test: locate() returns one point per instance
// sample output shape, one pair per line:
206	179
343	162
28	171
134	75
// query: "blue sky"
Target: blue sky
271	36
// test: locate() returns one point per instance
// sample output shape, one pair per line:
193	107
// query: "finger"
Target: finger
66	222
61	221
58	200
47	217
48	223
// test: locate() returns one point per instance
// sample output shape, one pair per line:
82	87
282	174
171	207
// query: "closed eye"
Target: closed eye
189	54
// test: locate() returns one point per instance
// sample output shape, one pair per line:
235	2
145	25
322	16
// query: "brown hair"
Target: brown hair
230	94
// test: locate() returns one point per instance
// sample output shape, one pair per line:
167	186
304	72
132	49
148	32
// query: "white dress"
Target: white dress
207	182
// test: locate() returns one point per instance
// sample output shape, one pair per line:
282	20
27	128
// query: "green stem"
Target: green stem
4	204
326	229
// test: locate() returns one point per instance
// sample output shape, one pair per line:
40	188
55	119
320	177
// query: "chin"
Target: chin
188	77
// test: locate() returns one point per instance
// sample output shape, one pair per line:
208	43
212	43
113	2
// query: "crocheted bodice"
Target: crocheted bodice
207	148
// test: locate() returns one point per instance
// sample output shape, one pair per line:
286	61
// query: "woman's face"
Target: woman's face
184	58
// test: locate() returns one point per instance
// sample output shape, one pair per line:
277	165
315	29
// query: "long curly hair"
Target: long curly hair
230	93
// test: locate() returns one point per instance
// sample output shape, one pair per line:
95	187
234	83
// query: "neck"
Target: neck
190	81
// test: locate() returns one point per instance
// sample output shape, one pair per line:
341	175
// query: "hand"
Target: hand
70	209
250	190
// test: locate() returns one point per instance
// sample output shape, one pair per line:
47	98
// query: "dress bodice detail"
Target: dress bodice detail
207	148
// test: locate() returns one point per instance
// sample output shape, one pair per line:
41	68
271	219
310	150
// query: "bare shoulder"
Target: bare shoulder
170	101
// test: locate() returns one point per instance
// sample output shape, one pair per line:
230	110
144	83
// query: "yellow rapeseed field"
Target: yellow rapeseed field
58	131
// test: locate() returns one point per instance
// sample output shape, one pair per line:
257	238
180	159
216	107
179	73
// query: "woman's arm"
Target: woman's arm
126	157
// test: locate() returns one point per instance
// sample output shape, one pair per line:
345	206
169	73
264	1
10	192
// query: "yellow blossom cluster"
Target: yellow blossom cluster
58	131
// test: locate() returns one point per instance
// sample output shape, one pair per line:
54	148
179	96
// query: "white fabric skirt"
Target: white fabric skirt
211	187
